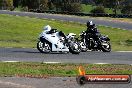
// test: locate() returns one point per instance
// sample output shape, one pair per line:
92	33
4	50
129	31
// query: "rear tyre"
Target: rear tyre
44	47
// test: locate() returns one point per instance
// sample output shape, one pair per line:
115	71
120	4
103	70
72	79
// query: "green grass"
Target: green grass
18	31
41	69
88	8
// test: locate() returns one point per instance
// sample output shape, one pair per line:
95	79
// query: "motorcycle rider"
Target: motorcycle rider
91	28
48	30
92	31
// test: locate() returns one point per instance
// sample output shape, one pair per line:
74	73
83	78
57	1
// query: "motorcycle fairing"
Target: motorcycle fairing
54	39
105	38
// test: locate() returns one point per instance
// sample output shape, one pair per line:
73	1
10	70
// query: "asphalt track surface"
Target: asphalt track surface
115	24
56	82
33	55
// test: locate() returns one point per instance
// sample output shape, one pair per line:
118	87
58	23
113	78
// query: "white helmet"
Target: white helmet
89	23
47	28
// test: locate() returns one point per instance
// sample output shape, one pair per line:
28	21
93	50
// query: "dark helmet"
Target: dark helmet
89	23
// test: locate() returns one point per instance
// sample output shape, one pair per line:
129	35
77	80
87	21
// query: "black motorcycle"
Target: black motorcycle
90	42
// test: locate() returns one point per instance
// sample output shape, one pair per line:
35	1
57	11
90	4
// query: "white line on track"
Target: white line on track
10	61
56	62
52	62
123	51
62	20
101	63
71	21
23	47
43	62
52	19
8	47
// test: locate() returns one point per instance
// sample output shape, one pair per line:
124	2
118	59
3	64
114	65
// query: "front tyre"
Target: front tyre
74	48
83	47
44	47
105	46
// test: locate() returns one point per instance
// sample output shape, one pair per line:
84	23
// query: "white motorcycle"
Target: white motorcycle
54	41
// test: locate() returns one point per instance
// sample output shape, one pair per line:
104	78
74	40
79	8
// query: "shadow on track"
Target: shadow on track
32	52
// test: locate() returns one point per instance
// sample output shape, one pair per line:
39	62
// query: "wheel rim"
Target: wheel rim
83	46
75	47
45	47
106	45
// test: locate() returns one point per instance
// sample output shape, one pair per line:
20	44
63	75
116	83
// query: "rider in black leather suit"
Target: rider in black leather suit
92	30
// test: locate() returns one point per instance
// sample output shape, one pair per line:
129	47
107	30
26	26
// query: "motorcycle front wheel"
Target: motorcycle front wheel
83	47
105	46
74	48
44	47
